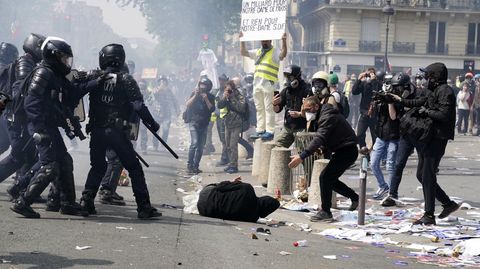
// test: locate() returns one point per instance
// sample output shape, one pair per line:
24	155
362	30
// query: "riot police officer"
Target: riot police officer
111	105
43	108
22	155
8	54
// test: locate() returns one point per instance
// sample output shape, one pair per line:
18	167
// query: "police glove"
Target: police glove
423	112
41	138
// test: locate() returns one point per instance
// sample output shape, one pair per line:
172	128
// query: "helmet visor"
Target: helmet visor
67	61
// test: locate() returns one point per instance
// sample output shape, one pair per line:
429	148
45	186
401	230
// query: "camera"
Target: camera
230	91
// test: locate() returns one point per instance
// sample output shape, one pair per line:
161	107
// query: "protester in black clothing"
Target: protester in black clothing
335	135
234	201
366	84
439	106
291	98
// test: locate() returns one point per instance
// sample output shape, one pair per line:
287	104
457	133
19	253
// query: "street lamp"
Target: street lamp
388	11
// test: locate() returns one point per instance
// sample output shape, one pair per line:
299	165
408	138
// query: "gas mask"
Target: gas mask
310	116
318	86
293	83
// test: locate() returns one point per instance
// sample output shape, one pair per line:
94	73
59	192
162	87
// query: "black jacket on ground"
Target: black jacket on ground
292	100
333	132
234	201
441	109
366	89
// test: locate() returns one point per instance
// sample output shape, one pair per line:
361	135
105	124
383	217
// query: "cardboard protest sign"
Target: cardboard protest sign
263	19
149	73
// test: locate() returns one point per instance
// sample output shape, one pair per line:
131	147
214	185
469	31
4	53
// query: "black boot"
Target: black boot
145	210
74	209
14	190
87	202
110	198
53	198
20	206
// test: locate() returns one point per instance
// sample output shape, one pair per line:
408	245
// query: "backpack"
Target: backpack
343	105
246	117
19	92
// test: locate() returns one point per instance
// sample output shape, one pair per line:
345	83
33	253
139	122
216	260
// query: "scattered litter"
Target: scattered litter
144	237
467	206
35	252
255	254
83	248
254	236
300	243
345	256
284	253
181	190
401	263
468	248
330	257
5	261
123	228
168	206
263	231
195	179
419	188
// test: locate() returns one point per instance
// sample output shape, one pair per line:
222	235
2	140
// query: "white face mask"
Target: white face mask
310	116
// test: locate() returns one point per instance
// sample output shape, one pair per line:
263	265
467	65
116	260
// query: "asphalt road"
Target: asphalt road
176	240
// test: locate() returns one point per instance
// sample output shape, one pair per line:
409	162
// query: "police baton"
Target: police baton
161	140
142	160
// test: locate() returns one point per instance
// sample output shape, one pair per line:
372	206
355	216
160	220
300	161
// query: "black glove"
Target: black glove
41	138
423	112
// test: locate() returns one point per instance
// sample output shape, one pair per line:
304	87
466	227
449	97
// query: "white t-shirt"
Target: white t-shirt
463	104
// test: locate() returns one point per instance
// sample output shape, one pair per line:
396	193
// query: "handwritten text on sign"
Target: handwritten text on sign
263	19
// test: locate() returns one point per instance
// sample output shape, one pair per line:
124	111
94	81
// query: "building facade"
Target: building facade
347	36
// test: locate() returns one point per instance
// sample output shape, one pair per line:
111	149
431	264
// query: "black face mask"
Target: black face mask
318	86
432	84
265	46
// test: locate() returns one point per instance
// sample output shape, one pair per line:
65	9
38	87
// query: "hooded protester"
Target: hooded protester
439	106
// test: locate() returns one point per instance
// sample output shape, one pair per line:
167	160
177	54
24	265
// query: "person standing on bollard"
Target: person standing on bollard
334	134
267	61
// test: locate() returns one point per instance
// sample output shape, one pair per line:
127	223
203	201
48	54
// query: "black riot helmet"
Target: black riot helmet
131	66
293	74
8	53
380	75
292	70
112	55
33	46
57	54
400	79
205	85
401	85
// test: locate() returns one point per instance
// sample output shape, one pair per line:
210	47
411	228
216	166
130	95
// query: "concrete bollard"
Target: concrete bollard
279	173
257	156
314	196
265	161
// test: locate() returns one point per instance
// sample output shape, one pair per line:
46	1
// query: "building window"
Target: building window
370	29
436	38
473	39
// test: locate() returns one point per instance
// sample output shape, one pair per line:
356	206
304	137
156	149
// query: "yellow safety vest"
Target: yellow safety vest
267	68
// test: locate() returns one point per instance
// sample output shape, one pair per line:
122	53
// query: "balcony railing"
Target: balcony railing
369	46
437	48
403	47
310	5
472	49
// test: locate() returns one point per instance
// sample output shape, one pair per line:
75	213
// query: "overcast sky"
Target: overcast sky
126	21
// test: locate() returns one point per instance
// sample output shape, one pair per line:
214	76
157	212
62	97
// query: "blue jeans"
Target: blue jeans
198	138
379	149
